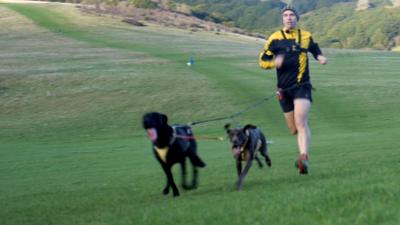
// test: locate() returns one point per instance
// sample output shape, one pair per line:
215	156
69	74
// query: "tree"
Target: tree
146	4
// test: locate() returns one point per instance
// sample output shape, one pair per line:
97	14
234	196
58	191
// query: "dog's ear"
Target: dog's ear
164	118
146	120
249	126
227	127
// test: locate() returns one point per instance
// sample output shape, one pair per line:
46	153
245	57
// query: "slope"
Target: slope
74	88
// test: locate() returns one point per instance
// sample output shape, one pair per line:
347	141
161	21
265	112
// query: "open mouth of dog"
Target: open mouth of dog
235	151
152	134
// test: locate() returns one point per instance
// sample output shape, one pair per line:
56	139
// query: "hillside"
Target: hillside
356	24
74	87
338	24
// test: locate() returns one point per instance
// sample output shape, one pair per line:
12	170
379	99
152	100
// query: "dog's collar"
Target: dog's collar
244	145
242	148
247	140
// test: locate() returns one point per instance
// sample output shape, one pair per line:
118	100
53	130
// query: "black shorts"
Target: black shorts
287	97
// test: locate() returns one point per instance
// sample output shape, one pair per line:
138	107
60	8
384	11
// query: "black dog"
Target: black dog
172	144
245	143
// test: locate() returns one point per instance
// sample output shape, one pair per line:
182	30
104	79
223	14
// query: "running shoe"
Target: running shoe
302	164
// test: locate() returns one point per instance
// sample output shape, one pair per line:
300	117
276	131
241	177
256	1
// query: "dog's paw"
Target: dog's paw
176	194
166	191
238	185
186	187
268	161
198	163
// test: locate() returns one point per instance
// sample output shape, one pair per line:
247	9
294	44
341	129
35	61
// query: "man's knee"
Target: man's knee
301	125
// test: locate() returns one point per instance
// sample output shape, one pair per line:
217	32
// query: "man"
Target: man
286	50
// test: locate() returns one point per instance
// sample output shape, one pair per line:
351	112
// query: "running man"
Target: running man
286	50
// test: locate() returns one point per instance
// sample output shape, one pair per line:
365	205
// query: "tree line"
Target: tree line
334	23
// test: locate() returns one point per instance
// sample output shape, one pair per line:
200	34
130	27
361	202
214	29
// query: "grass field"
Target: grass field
73	90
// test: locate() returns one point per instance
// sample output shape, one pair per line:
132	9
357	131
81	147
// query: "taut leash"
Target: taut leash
254	105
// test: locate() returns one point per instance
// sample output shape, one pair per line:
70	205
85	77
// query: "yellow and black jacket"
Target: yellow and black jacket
294	45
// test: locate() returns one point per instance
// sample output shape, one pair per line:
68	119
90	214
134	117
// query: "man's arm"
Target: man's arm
317	53
266	58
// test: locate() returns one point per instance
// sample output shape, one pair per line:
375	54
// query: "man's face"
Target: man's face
289	19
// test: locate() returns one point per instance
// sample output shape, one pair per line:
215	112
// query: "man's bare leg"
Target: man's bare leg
289	116
301	110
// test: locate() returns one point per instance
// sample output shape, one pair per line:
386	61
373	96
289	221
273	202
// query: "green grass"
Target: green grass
72	151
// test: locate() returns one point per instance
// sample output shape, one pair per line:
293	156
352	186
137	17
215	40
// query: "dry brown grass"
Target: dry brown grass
162	17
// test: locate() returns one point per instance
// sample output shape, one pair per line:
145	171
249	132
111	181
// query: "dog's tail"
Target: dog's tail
196	161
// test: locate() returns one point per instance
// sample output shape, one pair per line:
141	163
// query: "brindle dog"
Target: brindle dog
171	145
246	142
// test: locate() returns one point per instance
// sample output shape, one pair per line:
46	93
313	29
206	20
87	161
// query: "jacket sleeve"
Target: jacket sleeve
266	57
314	48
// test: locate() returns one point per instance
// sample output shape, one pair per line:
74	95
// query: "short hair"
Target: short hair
291	8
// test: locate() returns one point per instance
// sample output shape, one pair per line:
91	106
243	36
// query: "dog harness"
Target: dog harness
294	45
242	149
163	152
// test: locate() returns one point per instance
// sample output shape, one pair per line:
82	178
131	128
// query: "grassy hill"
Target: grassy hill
336	23
350	24
74	88
340	27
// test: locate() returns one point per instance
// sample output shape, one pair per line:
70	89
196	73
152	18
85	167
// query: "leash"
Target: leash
254	105
199	138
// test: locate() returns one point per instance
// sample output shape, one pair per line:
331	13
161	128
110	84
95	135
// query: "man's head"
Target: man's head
290	17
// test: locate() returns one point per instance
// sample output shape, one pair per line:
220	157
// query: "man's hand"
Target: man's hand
279	61
322	60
